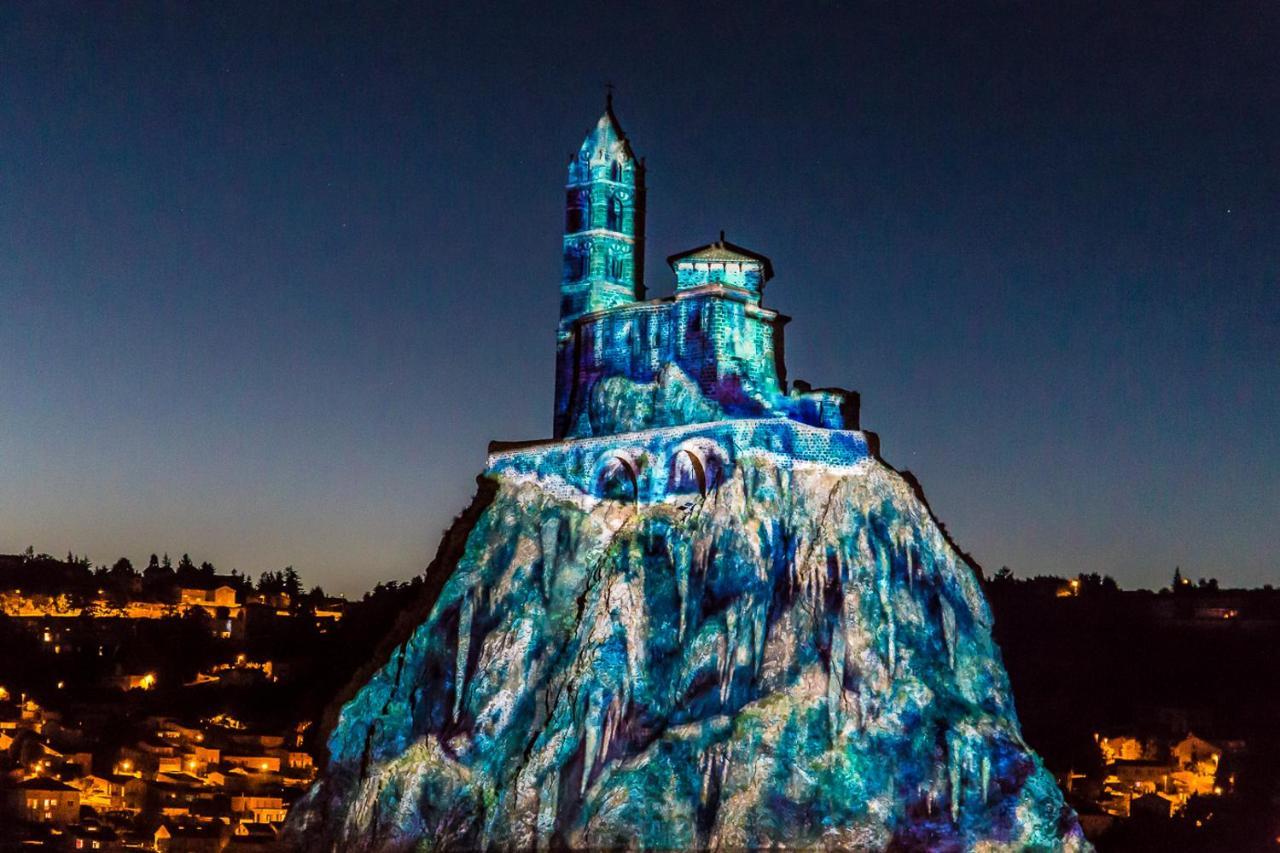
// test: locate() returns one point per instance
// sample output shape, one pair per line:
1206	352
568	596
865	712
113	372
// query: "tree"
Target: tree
186	570
242	583
157	578
292	584
156	572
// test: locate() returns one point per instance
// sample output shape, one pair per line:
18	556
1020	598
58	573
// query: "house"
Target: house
247	837
92	836
1151	805
190	837
173	795
42	800
135	792
1192	751
136	681
257	762
210	598
259	808
103	793
258	741
330	609
79	762
279	601
217	598
1142	774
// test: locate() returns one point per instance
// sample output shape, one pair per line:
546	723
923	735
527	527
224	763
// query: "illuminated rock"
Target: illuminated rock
705	615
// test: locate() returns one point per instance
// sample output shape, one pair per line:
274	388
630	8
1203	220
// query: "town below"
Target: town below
179	709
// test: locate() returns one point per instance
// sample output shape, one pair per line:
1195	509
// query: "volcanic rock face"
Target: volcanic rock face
797	656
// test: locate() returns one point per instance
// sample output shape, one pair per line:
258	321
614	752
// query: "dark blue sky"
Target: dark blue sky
270	278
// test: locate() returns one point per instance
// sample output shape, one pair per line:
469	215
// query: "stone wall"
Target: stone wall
575	468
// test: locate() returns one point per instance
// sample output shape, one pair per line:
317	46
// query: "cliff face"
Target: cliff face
797	657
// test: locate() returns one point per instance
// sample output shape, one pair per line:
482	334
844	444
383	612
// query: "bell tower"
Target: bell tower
603	238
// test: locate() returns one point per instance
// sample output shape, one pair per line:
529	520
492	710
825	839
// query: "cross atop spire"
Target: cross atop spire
608	96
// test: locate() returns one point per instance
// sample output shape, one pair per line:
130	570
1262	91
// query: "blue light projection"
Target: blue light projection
704	614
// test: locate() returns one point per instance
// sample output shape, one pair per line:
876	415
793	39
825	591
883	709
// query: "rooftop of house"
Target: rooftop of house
43	783
208	584
189	830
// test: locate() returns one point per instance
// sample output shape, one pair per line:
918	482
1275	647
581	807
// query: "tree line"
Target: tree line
158	580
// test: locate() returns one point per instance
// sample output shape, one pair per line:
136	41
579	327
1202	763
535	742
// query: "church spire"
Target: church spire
603	234
604	222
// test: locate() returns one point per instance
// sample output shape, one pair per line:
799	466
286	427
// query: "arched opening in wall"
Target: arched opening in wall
575	263
615	171
688	474
575	216
617	481
614	221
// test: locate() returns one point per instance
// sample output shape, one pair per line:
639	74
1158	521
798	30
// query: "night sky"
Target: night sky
270	278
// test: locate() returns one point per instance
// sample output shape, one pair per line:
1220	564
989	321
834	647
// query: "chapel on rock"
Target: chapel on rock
702	367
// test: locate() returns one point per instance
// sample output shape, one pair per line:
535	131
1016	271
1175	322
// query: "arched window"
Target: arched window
688	475
617	481
615	171
616	267
575	263
575	212
615	214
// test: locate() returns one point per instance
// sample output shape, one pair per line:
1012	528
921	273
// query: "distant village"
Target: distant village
1154	709
177	708
168	709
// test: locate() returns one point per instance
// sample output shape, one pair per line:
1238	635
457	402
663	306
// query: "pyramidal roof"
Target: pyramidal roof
606	140
723	250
